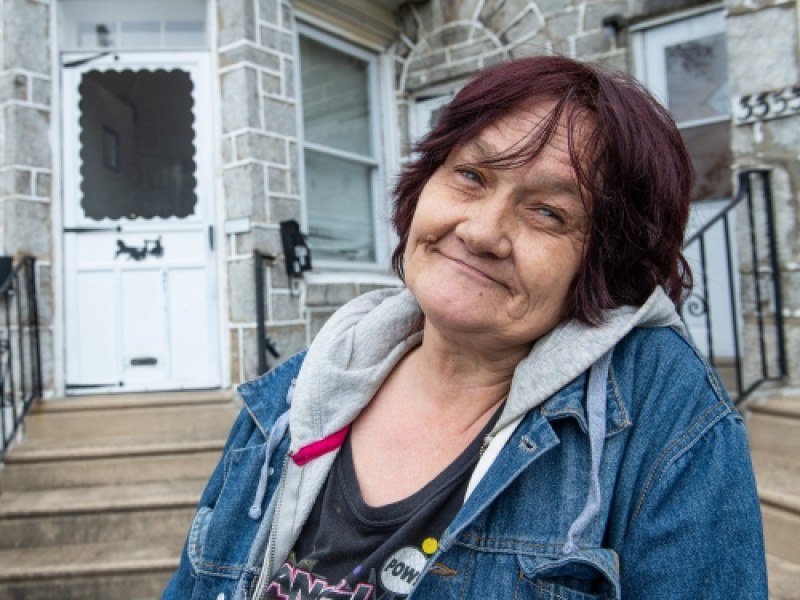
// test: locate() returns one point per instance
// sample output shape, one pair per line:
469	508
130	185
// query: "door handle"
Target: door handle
151	247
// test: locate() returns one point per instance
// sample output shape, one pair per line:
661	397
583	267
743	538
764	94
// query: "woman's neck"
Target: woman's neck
457	378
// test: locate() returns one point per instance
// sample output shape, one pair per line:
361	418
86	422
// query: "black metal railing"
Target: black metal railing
734	312
265	343
20	357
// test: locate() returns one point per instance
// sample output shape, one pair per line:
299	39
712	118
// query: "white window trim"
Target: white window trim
380	141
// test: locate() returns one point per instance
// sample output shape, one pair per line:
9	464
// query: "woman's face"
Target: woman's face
493	252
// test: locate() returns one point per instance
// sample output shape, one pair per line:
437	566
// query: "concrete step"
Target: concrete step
774	423
778	480
57	468
100	514
135	420
119	570
784	579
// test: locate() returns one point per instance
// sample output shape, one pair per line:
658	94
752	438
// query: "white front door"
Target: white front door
141	300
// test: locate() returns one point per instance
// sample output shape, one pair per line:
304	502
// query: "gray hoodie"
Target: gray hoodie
361	344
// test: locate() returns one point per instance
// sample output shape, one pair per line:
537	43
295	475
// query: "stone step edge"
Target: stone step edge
22	455
783	578
779	500
787	406
122	506
124	401
97	569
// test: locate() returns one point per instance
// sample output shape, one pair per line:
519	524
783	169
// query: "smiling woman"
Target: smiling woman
526	419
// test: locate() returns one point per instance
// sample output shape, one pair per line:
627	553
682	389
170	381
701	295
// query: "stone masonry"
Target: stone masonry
260	166
25	153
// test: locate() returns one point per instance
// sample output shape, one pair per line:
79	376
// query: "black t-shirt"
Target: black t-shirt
349	550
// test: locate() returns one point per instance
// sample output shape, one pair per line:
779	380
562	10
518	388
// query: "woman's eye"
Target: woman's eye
470	175
545	212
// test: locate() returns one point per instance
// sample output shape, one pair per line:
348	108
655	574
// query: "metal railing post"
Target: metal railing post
264	343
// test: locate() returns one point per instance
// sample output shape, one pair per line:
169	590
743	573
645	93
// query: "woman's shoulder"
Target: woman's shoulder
662	376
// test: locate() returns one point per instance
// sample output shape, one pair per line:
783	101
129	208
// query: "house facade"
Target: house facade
158	158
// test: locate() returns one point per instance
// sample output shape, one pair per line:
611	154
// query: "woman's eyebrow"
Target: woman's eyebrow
480	147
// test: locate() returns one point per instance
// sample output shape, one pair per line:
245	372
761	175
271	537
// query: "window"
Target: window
685	64
140	25
342	164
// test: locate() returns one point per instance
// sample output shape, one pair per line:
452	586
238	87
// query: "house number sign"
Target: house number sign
764	106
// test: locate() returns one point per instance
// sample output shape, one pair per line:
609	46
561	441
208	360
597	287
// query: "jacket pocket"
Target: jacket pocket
591	574
197	535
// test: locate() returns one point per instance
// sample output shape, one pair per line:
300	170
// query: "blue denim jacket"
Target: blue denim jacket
679	516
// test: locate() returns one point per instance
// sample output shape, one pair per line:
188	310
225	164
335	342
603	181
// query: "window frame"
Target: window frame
376	162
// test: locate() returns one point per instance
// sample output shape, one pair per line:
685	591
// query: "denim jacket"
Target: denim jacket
677	516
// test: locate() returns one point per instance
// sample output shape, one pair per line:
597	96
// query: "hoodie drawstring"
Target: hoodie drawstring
276	434
596	402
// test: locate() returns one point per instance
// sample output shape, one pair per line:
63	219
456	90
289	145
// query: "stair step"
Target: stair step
116	402
91	572
75	560
778	479
49	470
132	426
781	531
781	402
784	579
161	510
774	424
129	586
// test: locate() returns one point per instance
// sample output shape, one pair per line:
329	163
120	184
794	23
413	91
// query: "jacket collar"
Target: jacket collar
570	403
269	396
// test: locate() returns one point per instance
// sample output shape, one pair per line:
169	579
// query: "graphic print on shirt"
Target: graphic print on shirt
397	576
291	583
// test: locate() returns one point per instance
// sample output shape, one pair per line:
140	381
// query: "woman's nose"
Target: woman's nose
485	227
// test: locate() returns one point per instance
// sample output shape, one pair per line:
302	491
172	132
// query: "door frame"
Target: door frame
66	175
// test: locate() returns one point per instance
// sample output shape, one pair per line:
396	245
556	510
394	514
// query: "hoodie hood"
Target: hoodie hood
360	345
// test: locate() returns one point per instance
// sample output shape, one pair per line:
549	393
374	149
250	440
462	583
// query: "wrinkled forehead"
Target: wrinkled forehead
522	134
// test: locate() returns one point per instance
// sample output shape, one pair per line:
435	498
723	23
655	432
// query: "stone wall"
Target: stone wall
25	149
260	171
444	42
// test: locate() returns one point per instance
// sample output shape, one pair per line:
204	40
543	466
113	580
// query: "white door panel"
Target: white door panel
92	328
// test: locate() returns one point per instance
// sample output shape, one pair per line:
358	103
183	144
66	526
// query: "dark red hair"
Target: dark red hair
628	156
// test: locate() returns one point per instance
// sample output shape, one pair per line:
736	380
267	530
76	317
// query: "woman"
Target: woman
526	418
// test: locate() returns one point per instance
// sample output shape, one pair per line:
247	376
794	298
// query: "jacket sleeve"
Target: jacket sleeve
182	582
696	531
